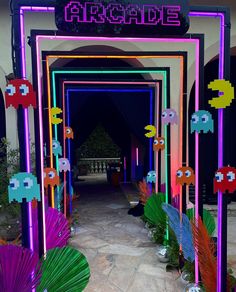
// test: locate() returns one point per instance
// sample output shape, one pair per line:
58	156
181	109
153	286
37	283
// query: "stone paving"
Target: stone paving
120	254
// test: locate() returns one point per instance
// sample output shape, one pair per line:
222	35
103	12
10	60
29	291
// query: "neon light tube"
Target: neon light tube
158	56
221	74
68	91
174	187
125	170
110	71
220	135
175	40
156	84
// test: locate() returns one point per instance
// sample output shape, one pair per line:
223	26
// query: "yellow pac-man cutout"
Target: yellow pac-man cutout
55	111
152	131
226	93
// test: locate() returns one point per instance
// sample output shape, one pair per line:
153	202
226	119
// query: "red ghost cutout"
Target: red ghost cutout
225	180
20	92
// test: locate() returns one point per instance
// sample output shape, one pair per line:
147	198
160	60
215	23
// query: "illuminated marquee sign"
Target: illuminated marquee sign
123	18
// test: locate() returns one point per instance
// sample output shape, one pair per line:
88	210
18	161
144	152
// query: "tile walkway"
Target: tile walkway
117	246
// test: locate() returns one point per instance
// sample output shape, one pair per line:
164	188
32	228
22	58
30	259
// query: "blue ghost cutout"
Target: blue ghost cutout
151	176
202	121
56	147
23	185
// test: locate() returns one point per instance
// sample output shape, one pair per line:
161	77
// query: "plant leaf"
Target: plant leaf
183	231
57	229
153	210
64	269
205	249
144	191
208	219
19	269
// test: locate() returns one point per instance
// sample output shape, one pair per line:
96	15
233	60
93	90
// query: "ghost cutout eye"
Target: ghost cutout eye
154	174
24	89
171	114
179	173
205	119
14	184
51	174
195	119
219	176
149	174
188	173
162	142
64	162
54	145
28	183
155	142
164	114
231	176
10	89
68	131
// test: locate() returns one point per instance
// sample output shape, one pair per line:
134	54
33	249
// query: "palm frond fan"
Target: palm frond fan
182	229
57	228
144	191
208	219
19	269
64	269
153	209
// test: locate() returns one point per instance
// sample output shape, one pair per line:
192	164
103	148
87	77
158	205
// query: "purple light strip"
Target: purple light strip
154	40
197	52
129	83
220	157
26	117
220	119
220	136
41	146
27	132
125	174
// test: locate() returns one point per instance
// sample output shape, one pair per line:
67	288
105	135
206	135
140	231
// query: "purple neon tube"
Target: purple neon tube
220	135
175	40
220	112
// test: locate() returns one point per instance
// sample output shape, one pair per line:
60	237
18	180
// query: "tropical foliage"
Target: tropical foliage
64	269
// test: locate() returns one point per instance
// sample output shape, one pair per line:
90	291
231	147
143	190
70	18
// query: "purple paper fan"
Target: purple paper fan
19	269
57	229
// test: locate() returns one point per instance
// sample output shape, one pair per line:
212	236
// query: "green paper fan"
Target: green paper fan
64	270
208	220
153	209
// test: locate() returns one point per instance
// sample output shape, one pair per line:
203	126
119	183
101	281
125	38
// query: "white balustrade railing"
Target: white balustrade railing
96	165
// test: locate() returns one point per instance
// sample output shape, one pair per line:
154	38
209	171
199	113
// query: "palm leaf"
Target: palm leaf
153	210
208	219
205	249
18	270
182	230
57	229
64	269
144	191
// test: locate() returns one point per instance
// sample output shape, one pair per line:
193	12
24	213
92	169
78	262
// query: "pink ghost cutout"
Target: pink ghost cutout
64	164
169	116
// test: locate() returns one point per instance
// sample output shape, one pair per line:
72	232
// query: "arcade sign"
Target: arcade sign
121	18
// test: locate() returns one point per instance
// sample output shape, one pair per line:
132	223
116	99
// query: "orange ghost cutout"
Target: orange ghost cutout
185	175
69	133
159	144
51	177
